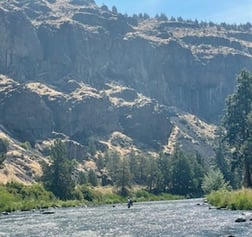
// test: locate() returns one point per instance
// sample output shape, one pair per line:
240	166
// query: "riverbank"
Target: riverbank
234	200
15	196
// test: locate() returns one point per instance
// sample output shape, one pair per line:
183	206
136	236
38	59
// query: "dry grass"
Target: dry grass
235	200
42	89
105	189
20	164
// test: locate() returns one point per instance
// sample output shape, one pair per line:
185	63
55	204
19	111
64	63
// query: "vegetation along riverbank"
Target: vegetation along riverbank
234	200
16	196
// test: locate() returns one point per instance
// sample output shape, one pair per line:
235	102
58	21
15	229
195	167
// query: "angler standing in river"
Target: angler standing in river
130	202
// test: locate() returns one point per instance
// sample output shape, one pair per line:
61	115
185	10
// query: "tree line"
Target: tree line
179	173
135	18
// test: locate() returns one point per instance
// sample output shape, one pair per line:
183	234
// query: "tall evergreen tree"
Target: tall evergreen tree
82	179
3	150
113	163
123	177
143	171
92	178
236	123
198	170
57	177
181	174
134	166
114	10
164	179
100	163
222	157
153	174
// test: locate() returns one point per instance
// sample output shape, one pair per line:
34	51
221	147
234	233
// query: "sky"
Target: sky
217	11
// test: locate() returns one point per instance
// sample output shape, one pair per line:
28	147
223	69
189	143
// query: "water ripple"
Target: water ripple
166	219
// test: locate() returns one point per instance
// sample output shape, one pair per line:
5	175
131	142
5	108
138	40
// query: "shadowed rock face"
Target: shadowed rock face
34	111
23	112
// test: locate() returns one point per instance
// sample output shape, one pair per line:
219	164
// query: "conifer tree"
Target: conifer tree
237	124
57	177
92	178
3	150
123	177
181	173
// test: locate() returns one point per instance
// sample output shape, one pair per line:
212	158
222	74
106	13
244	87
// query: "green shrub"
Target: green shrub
26	145
213	181
183	121
7	199
77	194
16	196
88	193
142	194
111	198
69	203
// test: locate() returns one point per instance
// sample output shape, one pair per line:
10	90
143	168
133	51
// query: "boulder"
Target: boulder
240	219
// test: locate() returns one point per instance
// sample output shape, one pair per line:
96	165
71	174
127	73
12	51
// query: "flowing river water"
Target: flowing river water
166	218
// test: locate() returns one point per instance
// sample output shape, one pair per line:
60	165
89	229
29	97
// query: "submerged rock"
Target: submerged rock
5	213
240	219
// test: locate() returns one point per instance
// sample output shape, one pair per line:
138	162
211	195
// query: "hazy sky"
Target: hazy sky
217	11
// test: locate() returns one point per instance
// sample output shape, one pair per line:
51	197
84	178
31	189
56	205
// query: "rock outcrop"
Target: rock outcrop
23	112
33	111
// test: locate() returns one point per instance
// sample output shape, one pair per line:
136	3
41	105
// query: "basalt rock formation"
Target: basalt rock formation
185	64
74	70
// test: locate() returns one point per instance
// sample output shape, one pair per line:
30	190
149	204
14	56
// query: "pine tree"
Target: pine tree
123	177
57	177
133	166
82	179
114	10
236	123
3	150
181	174
113	163
164	169
92	178
153	174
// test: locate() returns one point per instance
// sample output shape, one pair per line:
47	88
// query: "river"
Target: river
151	219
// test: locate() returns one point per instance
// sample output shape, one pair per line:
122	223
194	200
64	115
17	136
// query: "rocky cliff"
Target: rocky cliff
185	64
74	70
